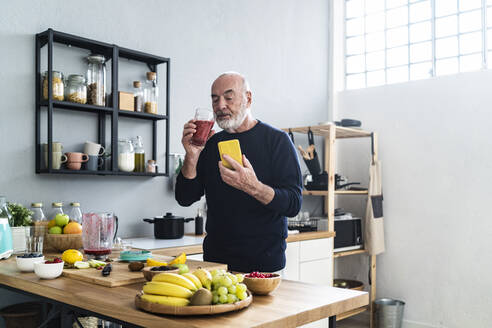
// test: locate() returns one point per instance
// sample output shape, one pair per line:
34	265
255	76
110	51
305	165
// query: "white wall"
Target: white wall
436	149
281	47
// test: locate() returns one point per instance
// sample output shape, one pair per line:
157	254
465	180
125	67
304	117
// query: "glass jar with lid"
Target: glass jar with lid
76	90
56	208
138	96
56	83
151	93
96	80
75	214
126	155
151	166
38	214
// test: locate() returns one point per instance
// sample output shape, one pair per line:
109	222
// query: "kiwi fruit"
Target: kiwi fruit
201	297
135	266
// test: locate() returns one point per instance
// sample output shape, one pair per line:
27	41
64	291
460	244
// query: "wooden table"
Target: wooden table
292	304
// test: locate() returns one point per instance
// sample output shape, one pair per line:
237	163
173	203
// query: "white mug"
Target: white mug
93	149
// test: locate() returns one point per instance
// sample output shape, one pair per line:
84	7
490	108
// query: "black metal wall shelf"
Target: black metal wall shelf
113	52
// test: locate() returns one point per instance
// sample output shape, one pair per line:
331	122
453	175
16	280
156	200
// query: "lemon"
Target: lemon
71	256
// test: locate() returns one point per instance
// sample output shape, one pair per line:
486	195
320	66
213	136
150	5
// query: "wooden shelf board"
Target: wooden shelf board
348	253
315	192
324	130
353	312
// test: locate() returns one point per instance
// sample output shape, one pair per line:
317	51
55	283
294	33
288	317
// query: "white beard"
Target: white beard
232	124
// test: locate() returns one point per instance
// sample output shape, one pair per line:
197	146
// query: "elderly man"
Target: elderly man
247	205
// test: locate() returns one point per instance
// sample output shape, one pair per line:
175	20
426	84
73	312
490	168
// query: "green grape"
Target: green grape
215	299
222	290
223	299
242	295
215	293
232	289
231	298
241	287
214	272
240	277
216	279
226	281
233	278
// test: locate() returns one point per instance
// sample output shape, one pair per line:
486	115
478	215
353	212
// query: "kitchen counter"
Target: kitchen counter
192	244
292	304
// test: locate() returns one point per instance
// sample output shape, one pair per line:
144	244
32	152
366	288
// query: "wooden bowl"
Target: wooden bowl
262	286
350	284
148	274
62	242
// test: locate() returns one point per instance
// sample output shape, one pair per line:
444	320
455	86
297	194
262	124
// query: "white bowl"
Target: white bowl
48	271
26	264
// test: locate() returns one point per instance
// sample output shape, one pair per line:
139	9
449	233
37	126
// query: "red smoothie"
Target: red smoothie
202	130
98	251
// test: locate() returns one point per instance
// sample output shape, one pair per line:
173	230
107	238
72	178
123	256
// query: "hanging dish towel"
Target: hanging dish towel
374	222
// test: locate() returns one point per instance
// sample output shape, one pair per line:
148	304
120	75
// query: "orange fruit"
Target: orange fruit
73	228
71	256
52	223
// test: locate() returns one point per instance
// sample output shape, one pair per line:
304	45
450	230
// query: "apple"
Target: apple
61	219
56	230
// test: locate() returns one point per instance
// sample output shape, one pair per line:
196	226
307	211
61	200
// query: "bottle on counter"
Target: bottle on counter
138	96
151	93
56	208
75	213
139	155
199	222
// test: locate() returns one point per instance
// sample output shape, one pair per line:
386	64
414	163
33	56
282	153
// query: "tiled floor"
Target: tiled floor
357	321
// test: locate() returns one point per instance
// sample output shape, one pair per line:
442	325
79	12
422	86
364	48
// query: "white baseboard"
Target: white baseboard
414	324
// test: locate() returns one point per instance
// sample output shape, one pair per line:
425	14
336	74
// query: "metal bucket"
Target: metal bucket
388	313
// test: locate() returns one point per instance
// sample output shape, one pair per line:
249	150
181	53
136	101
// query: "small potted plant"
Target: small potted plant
21	217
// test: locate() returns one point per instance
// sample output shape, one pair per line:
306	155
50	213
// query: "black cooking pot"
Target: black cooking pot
169	226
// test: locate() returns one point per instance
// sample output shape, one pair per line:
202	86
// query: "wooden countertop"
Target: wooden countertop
292	304
197	249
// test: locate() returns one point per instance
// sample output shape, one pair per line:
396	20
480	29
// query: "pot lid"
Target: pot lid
169	216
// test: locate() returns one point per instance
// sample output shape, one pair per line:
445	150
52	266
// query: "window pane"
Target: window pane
447	66
397	74
447	47
356	81
355	45
355	26
375	41
375	78
420	11
471	42
447	26
397	56
396	37
446	7
471	21
470	63
420	71
375	22
397	17
420	52
395	3
375	60
373	6
354	8
420	32
470	4
355	64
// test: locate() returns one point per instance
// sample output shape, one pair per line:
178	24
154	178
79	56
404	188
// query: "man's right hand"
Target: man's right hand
192	151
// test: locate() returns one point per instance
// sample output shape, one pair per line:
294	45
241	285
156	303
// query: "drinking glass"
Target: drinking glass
34	239
204	121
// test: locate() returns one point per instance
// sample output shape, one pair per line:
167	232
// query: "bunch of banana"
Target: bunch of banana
169	289
205	277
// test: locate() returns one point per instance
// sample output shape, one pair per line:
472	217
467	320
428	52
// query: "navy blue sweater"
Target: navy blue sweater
241	231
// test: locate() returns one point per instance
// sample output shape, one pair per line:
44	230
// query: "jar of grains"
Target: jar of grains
96	80
56	83
76	90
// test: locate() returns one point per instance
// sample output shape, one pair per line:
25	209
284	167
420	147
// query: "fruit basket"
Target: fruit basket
191	309
62	242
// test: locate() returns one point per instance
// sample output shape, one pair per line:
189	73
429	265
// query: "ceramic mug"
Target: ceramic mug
74	165
93	149
74	157
57	159
94	163
55	147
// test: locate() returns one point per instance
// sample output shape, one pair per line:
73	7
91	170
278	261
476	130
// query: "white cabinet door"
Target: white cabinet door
317	272
315	249
291	270
198	257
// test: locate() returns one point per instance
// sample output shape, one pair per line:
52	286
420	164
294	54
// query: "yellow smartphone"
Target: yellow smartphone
231	148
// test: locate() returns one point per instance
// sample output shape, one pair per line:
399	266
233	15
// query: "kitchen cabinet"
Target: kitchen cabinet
309	253
109	112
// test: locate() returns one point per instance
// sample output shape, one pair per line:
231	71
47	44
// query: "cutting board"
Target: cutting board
121	275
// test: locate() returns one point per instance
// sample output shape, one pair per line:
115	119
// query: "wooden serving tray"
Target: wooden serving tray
191	309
